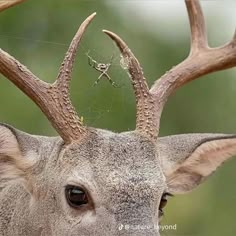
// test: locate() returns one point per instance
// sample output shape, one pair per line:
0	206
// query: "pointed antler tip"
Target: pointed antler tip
90	17
108	32
120	43
93	14
118	40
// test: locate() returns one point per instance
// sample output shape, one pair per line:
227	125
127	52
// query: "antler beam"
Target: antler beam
52	99
202	60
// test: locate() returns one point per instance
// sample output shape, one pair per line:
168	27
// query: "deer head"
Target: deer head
93	182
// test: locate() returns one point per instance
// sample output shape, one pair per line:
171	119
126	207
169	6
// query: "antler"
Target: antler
201	61
144	100
52	99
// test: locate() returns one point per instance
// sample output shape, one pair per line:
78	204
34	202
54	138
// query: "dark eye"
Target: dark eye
75	196
163	202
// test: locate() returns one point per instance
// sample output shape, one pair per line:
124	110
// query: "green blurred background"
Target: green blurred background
38	33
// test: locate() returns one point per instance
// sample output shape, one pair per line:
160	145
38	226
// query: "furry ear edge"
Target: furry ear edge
206	155
12	164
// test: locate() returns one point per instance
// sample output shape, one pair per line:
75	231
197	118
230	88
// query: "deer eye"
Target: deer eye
163	202
75	196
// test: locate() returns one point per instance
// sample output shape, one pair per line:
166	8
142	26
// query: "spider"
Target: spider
102	68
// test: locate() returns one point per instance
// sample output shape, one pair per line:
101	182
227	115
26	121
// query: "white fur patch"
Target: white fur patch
200	164
207	157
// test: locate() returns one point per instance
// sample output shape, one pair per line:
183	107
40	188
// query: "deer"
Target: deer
89	181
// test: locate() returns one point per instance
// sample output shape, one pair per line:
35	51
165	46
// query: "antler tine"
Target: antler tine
144	101
6	4
197	26
202	60
52	99
64	76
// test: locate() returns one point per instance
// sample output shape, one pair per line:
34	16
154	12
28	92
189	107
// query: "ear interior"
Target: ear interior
209	156
12	164
190	171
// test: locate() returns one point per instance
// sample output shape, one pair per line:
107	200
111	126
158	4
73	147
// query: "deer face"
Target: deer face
119	177
123	181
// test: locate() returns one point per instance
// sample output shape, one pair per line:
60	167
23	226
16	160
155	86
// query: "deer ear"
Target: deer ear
188	159
21	152
12	163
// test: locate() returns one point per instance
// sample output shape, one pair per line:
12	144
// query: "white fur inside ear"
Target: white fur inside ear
12	164
210	155
8	143
200	164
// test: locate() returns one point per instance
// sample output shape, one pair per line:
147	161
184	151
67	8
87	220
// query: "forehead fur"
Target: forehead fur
115	162
120	170
107	149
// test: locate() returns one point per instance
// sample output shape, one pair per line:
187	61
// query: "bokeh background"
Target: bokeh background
38	34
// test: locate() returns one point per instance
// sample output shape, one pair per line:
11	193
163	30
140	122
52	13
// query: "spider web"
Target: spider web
106	108
102	100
